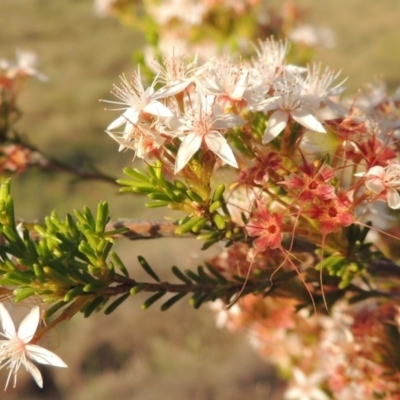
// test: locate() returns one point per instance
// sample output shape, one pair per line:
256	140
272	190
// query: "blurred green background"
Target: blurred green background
134	354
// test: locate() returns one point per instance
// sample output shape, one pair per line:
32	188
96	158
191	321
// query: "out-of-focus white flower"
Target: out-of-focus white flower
240	202
176	73
203	126
25	65
381	109
271	51
103	8
313	36
16	350
385	180
231	83
318	88
306	387
270	61
187	11
225	314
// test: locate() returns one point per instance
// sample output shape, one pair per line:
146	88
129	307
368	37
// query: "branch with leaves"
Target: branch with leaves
261	156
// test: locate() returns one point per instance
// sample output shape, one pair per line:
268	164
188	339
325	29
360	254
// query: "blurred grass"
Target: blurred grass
133	354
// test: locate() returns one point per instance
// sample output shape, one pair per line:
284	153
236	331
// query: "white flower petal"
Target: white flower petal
117	123
158	109
44	356
241	86
360	174
173	89
376	185
174	123
128	129
393	199
119	139
312	100
190	144
293	394
299	376
305	387
34	371
40	76
28	326
218	145
272	103
337	108
226	121
6	322
318	394
304	117
377	171
131	115
276	123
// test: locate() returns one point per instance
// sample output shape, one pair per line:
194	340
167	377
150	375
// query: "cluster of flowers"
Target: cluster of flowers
308	167
199	106
17	347
207	26
349	354
14	157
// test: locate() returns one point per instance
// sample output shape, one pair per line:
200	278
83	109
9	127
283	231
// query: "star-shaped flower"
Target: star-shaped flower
306	387
267	226
24	66
17	350
137	103
203	127
289	102
384	181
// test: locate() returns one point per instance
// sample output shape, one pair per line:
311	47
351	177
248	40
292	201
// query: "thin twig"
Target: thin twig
233	286
38	158
53	165
140	229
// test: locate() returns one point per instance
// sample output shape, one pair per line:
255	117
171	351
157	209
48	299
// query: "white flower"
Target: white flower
135	100
385	180
381	110
141	137
306	387
313	36
24	66
224	314
16	350
269	63
288	101
104	8
176	73
231	83
189	12
203	127
318	88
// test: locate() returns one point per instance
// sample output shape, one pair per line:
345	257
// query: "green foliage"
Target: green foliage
204	284
207	215
63	261
175	195
69	263
356	260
